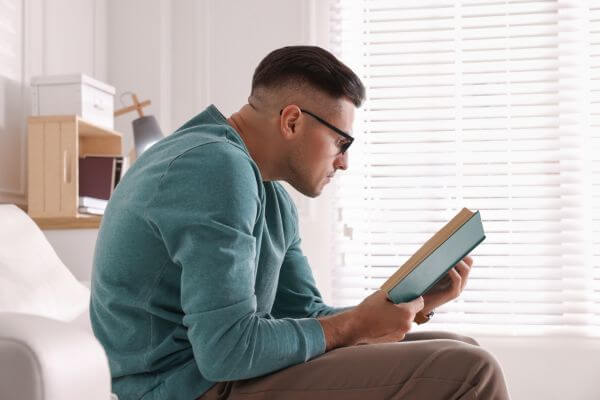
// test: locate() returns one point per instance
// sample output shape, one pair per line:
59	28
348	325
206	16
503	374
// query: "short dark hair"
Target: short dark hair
313	65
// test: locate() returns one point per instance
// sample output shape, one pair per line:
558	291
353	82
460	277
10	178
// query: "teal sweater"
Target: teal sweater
198	272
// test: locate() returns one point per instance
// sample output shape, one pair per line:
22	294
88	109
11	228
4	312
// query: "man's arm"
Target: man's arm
377	320
297	292
374	320
205	211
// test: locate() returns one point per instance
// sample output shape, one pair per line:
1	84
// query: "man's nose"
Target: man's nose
341	161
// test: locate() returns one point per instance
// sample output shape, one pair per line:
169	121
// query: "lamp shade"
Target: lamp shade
146	132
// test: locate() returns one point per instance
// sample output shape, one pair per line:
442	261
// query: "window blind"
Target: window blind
594	149
475	104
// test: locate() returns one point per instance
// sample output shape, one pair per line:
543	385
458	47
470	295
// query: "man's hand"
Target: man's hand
449	287
378	320
375	320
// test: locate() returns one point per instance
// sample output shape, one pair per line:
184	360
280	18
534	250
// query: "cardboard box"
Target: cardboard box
75	94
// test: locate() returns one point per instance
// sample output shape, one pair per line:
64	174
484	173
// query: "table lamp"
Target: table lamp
146	131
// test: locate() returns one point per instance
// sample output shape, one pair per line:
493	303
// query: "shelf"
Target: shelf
85	128
55	145
79	222
92	140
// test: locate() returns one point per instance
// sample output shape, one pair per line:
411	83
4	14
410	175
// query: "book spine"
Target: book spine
437	264
428	247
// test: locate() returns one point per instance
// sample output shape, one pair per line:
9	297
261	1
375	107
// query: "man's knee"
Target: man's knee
477	361
476	355
462	338
430	335
477	366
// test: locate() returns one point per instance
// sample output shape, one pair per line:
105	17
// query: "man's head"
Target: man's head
303	100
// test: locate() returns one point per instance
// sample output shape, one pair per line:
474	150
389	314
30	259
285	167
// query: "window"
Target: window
593	158
490	105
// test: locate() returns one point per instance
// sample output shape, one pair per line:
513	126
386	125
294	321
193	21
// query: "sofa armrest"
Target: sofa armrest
45	359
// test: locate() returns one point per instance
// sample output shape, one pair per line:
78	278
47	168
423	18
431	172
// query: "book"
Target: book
98	176
435	257
91	210
85	201
118	171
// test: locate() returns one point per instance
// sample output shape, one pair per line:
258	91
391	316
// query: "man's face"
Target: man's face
317	156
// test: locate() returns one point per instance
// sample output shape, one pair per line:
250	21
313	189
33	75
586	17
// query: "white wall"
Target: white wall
45	37
12	101
41	37
139	59
548	368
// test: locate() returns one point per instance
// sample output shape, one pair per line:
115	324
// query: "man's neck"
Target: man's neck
254	131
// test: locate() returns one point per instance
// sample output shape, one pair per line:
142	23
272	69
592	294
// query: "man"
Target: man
200	287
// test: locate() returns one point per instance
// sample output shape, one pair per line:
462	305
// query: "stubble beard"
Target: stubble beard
300	175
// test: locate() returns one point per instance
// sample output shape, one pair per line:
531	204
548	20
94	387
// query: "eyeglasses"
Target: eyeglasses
348	139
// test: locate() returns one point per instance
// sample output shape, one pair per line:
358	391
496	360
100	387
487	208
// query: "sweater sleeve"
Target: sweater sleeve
297	293
205	210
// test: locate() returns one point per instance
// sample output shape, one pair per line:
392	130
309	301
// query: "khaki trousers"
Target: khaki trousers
424	366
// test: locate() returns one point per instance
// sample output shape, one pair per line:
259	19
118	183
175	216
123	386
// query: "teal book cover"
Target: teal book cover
439	262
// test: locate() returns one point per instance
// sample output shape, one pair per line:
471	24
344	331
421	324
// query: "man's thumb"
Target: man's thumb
417	304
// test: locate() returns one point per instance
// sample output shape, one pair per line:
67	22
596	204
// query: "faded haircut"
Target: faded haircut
301	65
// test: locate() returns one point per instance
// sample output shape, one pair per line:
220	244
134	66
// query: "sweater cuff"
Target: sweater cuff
315	337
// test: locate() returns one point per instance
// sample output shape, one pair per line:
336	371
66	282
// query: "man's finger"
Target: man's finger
463	270
417	304
456	279
463	265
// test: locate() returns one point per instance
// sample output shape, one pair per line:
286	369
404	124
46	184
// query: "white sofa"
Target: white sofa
47	348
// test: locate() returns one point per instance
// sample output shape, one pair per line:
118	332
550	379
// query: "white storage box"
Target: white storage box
75	94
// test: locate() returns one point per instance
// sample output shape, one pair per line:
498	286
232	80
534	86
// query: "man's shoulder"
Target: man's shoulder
221	157
204	144
189	163
219	149
217	139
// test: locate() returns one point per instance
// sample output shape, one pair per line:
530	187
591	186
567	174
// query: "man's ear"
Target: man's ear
289	119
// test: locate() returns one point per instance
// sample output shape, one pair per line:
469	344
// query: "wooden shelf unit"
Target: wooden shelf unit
55	144
81	221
